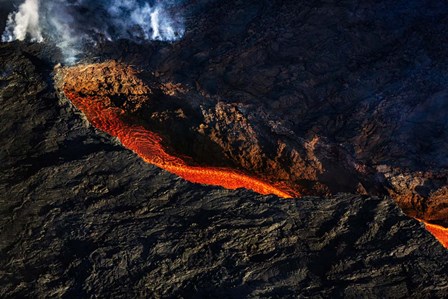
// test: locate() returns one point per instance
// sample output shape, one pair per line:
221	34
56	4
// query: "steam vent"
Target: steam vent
224	149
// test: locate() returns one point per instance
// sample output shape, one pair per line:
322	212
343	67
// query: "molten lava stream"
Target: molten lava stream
440	232
148	145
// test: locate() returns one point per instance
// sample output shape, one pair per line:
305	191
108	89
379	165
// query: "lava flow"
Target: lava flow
92	88
97	106
439	232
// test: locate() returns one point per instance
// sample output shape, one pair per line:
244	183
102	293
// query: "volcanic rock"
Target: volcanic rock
84	217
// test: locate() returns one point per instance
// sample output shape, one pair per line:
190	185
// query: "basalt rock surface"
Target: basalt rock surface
83	217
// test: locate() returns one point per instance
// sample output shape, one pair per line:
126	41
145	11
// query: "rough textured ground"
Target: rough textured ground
83	217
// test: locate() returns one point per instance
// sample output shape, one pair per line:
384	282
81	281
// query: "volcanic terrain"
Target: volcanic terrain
279	149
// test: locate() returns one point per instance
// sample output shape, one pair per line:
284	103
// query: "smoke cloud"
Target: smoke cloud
24	21
73	24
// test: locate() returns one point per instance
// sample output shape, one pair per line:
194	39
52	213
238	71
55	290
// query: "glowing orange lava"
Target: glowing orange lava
440	232
88	87
148	145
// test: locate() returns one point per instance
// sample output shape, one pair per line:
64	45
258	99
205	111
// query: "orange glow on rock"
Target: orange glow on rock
148	145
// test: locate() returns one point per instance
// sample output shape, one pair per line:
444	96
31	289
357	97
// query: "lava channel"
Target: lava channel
102	114
439	232
148	145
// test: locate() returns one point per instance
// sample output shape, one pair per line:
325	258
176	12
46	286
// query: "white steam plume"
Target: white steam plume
24	22
73	24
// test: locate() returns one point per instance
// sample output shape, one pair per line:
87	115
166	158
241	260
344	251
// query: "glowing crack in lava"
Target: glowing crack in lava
106	117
